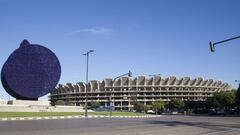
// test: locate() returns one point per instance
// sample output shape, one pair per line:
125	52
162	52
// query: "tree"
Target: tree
196	104
225	100
176	104
60	102
69	103
238	97
146	108
140	107
94	105
157	106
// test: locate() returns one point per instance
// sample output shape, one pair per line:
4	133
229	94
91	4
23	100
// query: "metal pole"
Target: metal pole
212	44
226	40
86	102
86	94
111	104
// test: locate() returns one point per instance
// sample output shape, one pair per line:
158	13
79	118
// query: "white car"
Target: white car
174	113
151	111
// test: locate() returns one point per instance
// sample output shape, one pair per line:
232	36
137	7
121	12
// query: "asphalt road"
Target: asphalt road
165	125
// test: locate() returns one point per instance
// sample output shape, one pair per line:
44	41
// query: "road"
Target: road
165	125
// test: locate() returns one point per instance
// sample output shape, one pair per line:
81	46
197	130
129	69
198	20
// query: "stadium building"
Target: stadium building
127	91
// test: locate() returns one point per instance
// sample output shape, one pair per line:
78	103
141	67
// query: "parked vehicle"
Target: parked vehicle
216	112
151	112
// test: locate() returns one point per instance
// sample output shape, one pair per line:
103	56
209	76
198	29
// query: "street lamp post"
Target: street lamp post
212	44
129	74
86	94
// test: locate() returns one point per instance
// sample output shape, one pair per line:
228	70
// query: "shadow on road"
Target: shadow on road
206	125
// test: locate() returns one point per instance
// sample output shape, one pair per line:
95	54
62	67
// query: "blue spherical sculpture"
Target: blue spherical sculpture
30	72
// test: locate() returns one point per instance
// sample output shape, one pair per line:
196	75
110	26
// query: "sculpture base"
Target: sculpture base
28	102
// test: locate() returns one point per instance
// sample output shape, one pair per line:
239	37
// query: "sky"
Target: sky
167	37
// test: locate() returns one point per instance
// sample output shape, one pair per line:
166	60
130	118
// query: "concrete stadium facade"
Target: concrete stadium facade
127	91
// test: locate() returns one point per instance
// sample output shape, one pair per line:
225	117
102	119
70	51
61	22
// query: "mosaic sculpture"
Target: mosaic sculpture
30	72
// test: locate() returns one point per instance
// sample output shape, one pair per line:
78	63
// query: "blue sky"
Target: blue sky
167	37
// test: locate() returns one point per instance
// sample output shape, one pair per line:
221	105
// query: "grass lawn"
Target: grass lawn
42	114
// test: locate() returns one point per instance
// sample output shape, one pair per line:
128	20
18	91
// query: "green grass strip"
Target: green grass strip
44	114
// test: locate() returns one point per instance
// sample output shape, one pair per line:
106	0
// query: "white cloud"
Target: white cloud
93	30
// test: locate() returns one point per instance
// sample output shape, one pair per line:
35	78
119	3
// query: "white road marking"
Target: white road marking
46	118
13	119
29	118
70	117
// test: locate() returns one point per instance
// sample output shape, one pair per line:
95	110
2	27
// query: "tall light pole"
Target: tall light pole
212	44
129	74
86	94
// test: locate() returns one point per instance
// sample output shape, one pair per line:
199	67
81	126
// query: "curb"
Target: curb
74	117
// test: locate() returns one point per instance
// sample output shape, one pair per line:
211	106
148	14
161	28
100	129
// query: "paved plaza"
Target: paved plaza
165	125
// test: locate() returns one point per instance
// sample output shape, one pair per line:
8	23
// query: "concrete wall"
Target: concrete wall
3	102
38	108
28	102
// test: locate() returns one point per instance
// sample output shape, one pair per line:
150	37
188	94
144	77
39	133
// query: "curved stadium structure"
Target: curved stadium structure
127	91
